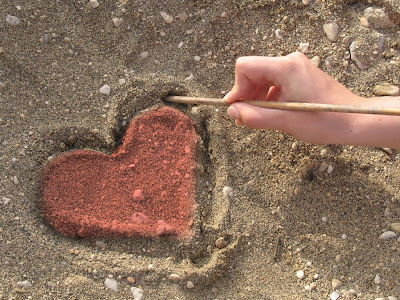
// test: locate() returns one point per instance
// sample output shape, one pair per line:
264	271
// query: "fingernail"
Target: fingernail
226	96
233	112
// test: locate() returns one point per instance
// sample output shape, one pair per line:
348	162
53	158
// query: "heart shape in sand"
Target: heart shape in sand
145	188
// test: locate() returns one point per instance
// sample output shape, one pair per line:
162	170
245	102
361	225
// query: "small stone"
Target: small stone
316	60
331	30
190	285
334	296
344	236
197	58
6	200
377	16
224	14
324	219
117	21
12	20
2	85
392	298
220	243
122	81
24	283
180	45
364	22
174	278
386	89
336	283
306	2
94	3
377	279
101	244
395	227
130	280
137	293
183	17
105	90
388	235
144	55
303	47
330	169
166	17
164	228
228	192
190	77
323	152
300	274
323	167
387	212
388	150
278	34
111	284
15	180
138	195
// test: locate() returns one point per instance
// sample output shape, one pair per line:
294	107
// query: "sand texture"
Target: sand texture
72	77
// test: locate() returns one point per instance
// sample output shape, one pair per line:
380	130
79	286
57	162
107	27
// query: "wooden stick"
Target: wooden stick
289	105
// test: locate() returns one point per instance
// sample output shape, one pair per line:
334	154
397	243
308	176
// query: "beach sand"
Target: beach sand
263	192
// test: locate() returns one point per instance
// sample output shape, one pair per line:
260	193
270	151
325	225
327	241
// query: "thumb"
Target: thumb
259	117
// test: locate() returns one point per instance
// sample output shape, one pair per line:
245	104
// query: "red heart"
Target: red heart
145	188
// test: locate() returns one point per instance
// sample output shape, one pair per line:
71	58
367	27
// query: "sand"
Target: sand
282	215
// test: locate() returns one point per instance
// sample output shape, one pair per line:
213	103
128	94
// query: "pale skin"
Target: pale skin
294	78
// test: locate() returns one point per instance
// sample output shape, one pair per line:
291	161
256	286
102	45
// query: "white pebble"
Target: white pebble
278	34
174	278
122	81
94	3
300	274
6	200
24	283
336	283
377	16
344	236
303	47
388	235
111	284
323	166
15	180
377	279
137	293
190	77
331	30
392	298
117	21
306	2
227	191
180	45
324	219
12	20
190	285
334	296
101	244
166	17
316	60
197	58
144	55
105	90
386	89
224	14
323	152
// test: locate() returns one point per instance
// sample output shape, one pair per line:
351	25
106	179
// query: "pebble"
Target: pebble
388	235
190	77
144	55
388	150
306	2
221	243
336	283
15	180
6	200
278	34
330	169
344	236
101	244
334	296
377	16
190	285
323	167
180	45
166	17
357	57
105	90
387	212
137	293
303	47
130	280
183	17
224	14
228	192
111	284
164	228
24	283
377	279
395	227
12	20
197	58
324	219
94	3
331	30
364	22
122	81
392	298
316	60
174	278
138	195
300	274
386	89
2	85
117	21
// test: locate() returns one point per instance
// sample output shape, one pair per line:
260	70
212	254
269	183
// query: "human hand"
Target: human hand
291	78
